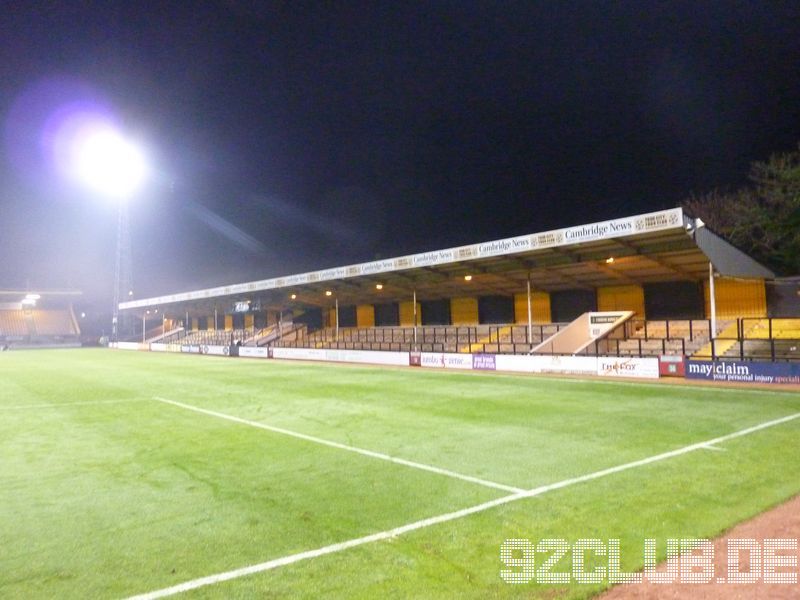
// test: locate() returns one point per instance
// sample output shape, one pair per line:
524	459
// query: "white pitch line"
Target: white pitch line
390	533
714	448
63	404
362	451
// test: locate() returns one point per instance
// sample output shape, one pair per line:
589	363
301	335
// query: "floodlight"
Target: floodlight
32	297
103	160
467	277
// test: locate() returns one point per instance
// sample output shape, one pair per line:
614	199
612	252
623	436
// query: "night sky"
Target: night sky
292	136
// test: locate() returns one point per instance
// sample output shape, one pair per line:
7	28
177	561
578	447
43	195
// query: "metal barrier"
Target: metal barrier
774	350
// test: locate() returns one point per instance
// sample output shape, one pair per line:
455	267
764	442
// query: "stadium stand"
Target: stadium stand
13	323
660	337
751	339
638	338
272	335
28	327
497	339
676	278
54	322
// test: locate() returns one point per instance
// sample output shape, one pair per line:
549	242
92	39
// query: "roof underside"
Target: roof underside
675	253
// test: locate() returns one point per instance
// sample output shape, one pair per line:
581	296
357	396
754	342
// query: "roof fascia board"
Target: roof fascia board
557	238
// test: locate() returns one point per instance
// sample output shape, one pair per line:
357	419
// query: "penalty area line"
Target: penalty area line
451	516
340	446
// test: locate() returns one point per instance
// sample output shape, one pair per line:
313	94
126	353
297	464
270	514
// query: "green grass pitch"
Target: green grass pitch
107	492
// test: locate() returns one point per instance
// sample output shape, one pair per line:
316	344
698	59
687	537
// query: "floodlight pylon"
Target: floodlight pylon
123	276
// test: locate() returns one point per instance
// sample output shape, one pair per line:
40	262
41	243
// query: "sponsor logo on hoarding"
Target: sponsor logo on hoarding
506	246
598	230
433	258
628	367
215	350
447	361
250	352
747	372
432	360
484	362
617	366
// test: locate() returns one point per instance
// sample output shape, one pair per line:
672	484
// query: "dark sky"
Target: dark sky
291	136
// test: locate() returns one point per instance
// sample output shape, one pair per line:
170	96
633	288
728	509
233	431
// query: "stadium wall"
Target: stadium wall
496	310
568	305
540	308
783	297
464	311
365	315
622	297
674	300
406	310
387	315
737	298
436	312
670	300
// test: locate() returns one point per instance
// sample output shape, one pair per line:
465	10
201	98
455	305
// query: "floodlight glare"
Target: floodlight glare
108	163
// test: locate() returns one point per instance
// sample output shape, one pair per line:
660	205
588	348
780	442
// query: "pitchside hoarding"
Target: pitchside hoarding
642	368
352	356
250	352
215	350
447	360
743	372
645	368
